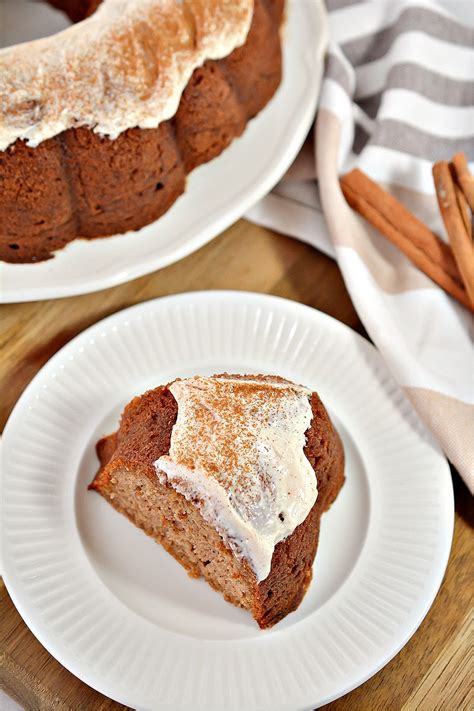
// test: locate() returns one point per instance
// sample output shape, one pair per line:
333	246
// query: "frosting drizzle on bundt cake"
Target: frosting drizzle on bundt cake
237	452
101	124
125	66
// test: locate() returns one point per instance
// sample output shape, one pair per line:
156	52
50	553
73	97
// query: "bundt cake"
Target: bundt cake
100	124
231	475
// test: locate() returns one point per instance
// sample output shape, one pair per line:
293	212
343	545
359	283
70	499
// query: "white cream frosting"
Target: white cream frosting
125	66
237	452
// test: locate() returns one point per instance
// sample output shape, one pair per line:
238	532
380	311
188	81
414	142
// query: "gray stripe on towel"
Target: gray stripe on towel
413	19
408	139
361	137
334	69
333	5
433	86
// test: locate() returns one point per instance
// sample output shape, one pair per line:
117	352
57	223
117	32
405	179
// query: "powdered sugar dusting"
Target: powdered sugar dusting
125	66
237	451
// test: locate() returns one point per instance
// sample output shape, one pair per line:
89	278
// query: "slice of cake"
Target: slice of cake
231	475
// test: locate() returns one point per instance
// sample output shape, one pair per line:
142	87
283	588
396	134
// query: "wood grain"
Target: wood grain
432	670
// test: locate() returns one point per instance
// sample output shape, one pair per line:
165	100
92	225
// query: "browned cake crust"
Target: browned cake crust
78	184
127	479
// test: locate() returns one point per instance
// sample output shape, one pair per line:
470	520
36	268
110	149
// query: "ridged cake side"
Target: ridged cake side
79	184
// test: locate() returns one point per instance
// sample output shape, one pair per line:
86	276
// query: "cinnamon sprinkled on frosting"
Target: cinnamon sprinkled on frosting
125	66
237	451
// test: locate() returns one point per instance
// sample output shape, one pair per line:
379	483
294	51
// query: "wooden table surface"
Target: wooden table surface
433	669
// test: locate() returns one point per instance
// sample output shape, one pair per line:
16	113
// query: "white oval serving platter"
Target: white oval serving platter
217	193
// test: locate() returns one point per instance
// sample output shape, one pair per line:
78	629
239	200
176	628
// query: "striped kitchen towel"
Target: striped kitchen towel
397	95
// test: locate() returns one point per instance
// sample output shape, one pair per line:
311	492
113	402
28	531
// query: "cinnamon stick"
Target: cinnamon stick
463	206
405	231
455	223
464	177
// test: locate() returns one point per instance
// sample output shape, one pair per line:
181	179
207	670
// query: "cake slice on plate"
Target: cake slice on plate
231	475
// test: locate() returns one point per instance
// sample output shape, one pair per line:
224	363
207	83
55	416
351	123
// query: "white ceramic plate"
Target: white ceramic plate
114	608
217	194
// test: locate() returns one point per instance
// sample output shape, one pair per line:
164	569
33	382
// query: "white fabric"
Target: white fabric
399	87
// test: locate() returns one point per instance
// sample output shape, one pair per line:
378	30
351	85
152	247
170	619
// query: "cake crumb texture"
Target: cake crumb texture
127	479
